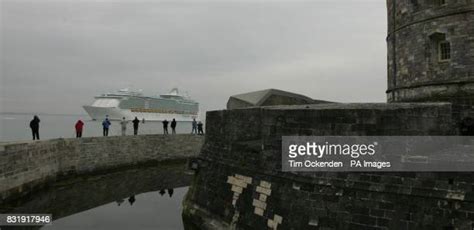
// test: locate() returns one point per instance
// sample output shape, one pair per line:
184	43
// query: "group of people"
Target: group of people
173	126
123	124
197	127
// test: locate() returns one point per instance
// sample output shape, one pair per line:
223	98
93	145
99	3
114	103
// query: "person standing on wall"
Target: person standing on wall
200	129
105	125
135	122
173	126
194	124
34	125
165	126
79	126
124	123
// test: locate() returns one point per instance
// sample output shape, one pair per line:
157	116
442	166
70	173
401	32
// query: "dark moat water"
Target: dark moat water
145	198
150	210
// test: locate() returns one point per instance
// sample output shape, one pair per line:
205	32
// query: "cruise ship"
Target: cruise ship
130	104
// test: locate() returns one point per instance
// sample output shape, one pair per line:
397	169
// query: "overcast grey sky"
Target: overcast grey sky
57	55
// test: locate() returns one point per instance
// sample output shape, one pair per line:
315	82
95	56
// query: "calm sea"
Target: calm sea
15	127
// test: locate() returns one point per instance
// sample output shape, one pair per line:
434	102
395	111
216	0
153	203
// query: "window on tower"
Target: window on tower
440	47
444	50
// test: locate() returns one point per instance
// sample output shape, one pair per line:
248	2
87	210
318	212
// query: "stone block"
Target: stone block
265	184
271	224
278	218
246	179
263	190
455	195
313	222
259	211
236	181
259	204
237	189
262	197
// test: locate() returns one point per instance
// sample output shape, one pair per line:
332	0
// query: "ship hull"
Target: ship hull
99	113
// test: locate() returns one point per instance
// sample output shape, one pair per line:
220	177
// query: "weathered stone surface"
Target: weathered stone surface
27	165
247	142
415	72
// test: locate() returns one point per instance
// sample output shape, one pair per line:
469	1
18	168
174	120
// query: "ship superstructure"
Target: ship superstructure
130	104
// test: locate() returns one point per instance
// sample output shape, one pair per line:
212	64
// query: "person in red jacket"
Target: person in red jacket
79	126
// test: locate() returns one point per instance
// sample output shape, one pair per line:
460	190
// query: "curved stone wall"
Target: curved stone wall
27	166
415	71
239	183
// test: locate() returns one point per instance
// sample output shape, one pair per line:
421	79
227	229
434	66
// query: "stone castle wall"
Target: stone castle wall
26	166
240	182
415	72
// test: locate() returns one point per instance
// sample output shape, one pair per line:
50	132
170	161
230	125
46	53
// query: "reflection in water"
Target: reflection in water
131	200
149	211
119	202
97	202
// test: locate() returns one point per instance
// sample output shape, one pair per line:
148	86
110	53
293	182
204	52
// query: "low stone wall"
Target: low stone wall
27	166
239	183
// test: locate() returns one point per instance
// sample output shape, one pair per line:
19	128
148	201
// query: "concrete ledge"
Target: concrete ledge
25	166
